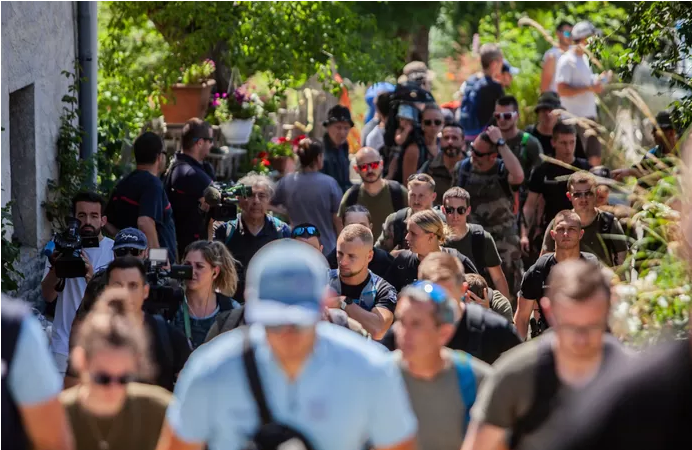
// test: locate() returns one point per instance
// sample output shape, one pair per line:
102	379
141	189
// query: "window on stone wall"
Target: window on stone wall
23	165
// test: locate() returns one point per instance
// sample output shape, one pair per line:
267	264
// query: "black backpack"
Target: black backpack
605	227
399	226
395	192
271	435
476	324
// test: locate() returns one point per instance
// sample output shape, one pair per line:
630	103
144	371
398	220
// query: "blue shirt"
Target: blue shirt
349	393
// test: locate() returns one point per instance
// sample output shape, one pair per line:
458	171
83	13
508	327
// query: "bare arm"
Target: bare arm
499	280
548	73
410	163
375	322
169	441
530	211
338	223
565	90
620	258
516	172
111	229
148	227
522	316
47	426
484	437
48	286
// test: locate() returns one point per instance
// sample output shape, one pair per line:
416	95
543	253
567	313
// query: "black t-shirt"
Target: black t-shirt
488	93
141	194
167	367
643	405
380	264
385	295
548	149
544	180
404	268
185	184
497	337
534	282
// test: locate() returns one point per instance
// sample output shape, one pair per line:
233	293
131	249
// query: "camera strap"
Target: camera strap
186	320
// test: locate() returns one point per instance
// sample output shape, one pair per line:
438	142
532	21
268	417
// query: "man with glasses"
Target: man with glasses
441	167
603	235
531	380
578	86
139	200
491	182
381	197
308	233
186	180
566	232
471	240
253	228
421	196
552	56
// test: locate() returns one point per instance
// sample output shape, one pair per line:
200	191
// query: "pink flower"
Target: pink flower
216	95
215	103
224	95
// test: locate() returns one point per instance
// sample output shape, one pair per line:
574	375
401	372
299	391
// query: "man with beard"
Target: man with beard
441	167
381	197
88	207
364	296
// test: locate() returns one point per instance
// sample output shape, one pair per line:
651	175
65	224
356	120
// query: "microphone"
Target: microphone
212	196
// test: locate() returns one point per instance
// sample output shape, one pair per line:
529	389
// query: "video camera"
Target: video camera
68	245
223	199
164	298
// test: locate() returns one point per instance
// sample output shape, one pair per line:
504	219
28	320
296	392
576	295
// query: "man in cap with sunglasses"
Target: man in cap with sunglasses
441	383
381	197
319	379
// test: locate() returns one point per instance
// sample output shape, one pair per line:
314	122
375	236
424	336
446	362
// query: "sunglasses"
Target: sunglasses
505	115
582	194
436	122
301	231
567	33
208	139
481	154
104	379
419	177
125	251
373	166
461	210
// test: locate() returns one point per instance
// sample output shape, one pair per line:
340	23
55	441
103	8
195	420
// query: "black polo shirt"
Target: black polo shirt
243	244
185	184
404	268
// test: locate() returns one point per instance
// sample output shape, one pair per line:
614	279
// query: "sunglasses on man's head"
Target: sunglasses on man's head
303	231
127	251
582	194
208	139
505	115
104	379
418	177
428	122
461	210
372	166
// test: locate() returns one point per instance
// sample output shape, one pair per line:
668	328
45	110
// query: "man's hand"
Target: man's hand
620	174
597	87
494	134
525	244
484	302
90	269
335	301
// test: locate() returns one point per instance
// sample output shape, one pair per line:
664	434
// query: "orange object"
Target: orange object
344	100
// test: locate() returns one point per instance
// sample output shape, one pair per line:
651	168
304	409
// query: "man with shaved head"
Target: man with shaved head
381	197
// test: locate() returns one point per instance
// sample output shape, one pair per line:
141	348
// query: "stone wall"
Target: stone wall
38	43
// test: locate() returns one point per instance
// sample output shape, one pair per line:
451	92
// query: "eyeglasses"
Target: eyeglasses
505	115
127	251
481	154
582	194
461	210
428	122
208	139
104	379
310	231
372	166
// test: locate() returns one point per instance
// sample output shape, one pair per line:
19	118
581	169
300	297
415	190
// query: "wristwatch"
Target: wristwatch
345	303
500	142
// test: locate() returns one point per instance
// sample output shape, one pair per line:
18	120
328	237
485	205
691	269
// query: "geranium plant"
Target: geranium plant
237	105
282	146
261	163
198	73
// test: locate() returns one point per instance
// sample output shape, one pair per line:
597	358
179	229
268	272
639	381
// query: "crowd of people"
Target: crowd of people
456	297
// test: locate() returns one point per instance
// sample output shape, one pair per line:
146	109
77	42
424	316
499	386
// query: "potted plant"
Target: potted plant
236	114
282	153
190	97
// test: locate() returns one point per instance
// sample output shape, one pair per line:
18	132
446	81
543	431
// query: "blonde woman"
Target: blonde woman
214	281
425	234
108	409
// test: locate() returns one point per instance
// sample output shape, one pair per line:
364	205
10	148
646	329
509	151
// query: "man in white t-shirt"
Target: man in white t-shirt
88	208
577	86
564	39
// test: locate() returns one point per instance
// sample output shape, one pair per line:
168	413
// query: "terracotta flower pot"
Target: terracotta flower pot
283	164
186	101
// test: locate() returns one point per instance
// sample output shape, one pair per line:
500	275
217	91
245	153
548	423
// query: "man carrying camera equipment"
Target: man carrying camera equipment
567	232
253	228
140	201
186	180
76	253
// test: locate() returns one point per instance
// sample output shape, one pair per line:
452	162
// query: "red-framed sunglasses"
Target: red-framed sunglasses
373	166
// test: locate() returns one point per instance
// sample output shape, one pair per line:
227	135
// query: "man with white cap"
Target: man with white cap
322	386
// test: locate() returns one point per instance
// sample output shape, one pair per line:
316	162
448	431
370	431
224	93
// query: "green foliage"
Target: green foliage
198	73
10	254
73	173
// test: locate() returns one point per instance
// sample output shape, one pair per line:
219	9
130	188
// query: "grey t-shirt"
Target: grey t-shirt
311	197
438	404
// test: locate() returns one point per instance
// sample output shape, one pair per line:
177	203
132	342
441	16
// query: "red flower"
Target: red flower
262	155
254	161
297	140
282	140
266	162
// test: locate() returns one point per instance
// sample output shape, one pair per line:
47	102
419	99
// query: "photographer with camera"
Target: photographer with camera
208	293
140	201
78	252
186	180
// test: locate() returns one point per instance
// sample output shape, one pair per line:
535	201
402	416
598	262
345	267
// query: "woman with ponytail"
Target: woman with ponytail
109	409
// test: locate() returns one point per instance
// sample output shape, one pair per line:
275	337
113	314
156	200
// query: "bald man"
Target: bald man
381	197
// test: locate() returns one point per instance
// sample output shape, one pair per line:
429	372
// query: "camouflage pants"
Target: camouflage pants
512	264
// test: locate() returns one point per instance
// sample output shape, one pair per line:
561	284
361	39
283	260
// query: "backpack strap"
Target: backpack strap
478	247
464	170
231	225
164	338
253	378
352	195
467	383
476	322
399	226
546	385
397	194
606	220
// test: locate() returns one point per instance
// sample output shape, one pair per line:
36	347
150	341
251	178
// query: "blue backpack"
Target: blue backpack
468	114
467	382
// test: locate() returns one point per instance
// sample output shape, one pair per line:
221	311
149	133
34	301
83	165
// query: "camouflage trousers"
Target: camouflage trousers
512	265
